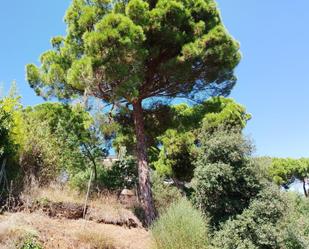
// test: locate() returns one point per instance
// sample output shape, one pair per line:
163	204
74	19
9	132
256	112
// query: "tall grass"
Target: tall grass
181	227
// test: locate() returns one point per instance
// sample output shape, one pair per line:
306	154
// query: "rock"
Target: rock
128	198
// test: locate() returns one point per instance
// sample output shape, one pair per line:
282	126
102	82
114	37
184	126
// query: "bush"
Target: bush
80	180
257	227
163	195
181	227
225	179
295	226
122	174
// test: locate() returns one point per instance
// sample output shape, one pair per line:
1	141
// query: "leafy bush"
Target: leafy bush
225	178
163	194
122	174
80	180
181	227
295	227
6	123
65	138
257	227
9	116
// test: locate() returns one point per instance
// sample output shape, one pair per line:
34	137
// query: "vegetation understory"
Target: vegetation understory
44	229
68	234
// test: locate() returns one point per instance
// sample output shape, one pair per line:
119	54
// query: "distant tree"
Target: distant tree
285	170
301	171
124	52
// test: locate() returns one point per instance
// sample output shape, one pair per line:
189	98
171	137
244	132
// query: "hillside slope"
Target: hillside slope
55	233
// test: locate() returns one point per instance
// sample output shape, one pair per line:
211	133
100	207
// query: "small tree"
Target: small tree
124	52
9	126
5	125
65	138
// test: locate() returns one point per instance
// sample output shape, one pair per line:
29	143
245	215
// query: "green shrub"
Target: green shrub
181	227
163	194
225	178
295	226
257	227
31	243
122	174
80	180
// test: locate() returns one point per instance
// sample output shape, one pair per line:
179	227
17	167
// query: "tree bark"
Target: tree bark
304	187
145	193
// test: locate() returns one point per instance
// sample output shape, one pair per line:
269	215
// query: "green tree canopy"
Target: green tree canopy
182	118
5	126
64	138
10	125
141	50
284	170
178	144
172	131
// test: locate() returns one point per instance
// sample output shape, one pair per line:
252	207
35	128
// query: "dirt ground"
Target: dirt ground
55	233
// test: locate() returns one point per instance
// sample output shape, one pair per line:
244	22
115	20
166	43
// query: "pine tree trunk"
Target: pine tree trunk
304	187
145	194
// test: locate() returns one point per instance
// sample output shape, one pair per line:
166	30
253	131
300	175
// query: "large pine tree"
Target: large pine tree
126	51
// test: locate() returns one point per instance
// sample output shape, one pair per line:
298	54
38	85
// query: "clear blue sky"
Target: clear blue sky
273	75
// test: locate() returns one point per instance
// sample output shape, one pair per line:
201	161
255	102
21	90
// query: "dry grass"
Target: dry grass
95	240
55	233
56	193
13	233
103	208
70	234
